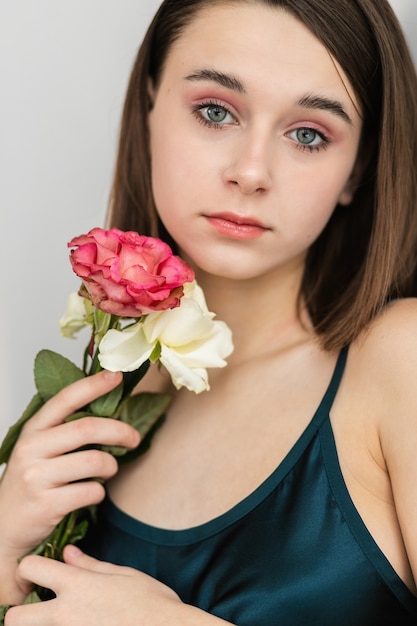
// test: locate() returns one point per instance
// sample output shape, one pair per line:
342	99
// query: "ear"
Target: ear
348	192
367	154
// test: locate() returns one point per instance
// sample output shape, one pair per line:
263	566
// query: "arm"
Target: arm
41	483
392	347
399	445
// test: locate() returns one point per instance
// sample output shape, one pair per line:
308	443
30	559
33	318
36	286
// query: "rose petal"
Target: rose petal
195	379
127	274
124	350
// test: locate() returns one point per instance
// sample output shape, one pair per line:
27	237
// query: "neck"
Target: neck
262	312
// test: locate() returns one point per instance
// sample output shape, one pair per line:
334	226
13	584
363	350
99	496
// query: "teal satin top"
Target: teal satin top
293	553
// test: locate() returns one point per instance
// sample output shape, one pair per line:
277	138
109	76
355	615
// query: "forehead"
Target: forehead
264	45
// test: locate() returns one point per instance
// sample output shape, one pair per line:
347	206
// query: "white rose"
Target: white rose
124	350
78	314
190	341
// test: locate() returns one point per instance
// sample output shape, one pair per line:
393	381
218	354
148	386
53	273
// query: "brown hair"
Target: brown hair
367	253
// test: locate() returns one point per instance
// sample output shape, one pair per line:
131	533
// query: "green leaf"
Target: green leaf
48	547
14	431
141	411
71	529
53	372
32	598
77	416
3	610
79	532
131	379
106	406
144	445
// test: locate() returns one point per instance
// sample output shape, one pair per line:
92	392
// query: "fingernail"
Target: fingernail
111	375
73	551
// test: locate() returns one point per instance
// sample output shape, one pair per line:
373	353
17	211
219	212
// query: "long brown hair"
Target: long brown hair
367	253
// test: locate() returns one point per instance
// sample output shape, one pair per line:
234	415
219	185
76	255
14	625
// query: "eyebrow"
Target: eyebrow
225	80
309	101
324	104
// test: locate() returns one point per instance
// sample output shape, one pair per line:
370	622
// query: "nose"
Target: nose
249	168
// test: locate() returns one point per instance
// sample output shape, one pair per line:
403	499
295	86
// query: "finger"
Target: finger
72	467
72	435
69	469
39	570
75	557
75	496
38	614
74	397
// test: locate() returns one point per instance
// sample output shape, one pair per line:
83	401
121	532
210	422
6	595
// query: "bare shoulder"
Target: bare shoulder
379	390
384	366
383	369
399	317
389	346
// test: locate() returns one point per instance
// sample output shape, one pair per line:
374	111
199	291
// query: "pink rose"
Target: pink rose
127	274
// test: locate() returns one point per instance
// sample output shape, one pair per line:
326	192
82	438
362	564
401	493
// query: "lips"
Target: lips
237	219
236	226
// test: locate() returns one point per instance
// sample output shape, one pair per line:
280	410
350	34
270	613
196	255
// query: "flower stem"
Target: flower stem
66	531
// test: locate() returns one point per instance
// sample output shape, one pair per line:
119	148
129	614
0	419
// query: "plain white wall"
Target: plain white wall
63	72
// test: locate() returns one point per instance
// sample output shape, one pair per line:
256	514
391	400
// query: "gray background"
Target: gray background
63	73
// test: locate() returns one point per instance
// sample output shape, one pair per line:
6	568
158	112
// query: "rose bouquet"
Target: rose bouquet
143	306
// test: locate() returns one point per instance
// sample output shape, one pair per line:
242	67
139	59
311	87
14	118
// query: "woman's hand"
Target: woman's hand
91	592
48	475
95	593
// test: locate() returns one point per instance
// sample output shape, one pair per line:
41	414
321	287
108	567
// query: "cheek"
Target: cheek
180	154
163	154
180	169
309	207
327	186
170	180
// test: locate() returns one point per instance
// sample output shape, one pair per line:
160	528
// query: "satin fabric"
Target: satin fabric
293	553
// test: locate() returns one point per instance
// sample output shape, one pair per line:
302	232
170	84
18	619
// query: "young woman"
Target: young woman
273	143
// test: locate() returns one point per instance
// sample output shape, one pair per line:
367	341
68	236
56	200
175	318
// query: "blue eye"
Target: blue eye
309	138
214	115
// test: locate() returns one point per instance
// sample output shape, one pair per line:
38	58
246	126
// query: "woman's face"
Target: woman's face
254	136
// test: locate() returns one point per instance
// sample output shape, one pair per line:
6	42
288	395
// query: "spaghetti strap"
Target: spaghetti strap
329	396
269	540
